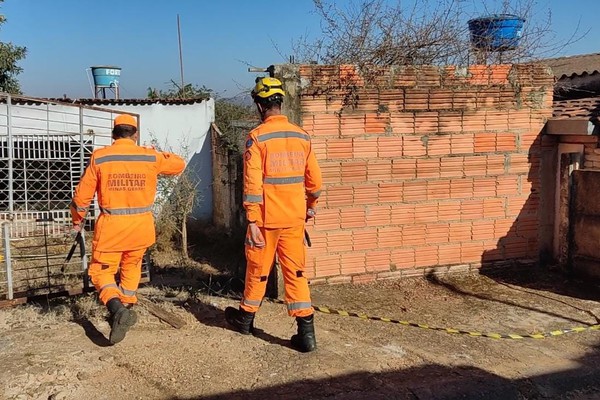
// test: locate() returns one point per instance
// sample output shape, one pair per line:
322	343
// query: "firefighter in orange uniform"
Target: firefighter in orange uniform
282	182
124	176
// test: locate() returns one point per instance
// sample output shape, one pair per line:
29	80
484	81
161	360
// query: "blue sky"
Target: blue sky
65	37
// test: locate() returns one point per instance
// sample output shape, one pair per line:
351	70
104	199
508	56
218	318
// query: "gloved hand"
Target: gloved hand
75	229
310	213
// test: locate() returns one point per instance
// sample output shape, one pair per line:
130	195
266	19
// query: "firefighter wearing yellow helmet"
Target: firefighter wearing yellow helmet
282	183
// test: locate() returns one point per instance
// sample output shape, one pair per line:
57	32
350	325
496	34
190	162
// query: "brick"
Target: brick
484	187
494	208
415	191
518	164
353	218
488	98
364	147
464	99
378	215
319	241
426	212
403	123
364	239
479	75
320	149
379	170
390	236
460	232
426	256
515	248
449	211
339	196
438	232
471	209
506	141
308	124
353	263
414	235
376	123
438	189
389	146
474	121
326	125
382	276
450	121
503	227
428	168
483	230
471	252
390	192
379	260
338	241
499	74
496	120
461	143
519	119
414	146
403	214
352	124
393	99
354	171
313	104
528	140
440	99
515	205
507	186
475	165
495	164
327	265
452	167
449	253
404	168
339	148
426	122
403	258
461	188
366	194
438	145
485	143
416	99
331	172
328	219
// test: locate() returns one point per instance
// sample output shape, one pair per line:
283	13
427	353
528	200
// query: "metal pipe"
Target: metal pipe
7	259
11	206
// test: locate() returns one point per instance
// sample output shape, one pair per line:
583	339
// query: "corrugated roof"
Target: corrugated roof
566	67
582	108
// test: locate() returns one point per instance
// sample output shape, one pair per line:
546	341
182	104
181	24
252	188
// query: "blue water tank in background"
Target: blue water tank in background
106	76
496	32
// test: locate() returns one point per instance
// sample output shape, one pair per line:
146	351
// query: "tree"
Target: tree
10	55
379	32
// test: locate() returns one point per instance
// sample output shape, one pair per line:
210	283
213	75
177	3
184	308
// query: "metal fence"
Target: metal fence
44	148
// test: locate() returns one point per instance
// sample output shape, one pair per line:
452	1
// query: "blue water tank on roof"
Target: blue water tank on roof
496	32
106	76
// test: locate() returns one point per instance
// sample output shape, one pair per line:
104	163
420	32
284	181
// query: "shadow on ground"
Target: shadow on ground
430	382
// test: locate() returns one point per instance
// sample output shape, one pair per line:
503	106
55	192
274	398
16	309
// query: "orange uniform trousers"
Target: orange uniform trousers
104	267
288	244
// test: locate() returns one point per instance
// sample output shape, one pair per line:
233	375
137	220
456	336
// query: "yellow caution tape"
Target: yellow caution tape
536	335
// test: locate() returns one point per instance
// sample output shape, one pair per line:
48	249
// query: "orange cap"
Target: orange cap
125	119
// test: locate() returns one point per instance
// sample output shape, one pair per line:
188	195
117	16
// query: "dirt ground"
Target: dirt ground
60	351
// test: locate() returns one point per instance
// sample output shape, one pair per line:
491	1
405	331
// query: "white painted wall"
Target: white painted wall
174	125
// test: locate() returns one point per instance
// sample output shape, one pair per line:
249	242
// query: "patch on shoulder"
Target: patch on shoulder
249	143
247	155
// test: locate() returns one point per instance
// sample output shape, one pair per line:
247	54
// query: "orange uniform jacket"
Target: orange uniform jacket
281	174
124	175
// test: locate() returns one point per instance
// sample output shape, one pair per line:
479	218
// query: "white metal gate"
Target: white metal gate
44	148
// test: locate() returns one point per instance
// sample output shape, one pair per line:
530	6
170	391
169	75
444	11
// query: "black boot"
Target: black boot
122	318
240	319
305	340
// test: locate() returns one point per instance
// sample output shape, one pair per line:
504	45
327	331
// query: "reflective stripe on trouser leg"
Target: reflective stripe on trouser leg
258	266
292	256
102	272
130	273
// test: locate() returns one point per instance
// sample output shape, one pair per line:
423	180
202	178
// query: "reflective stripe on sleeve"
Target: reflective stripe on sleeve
126	157
282	135
284	181
253	198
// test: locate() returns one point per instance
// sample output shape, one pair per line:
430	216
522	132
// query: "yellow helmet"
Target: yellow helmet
266	87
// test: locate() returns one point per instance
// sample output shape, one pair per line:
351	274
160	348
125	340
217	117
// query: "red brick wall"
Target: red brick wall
423	167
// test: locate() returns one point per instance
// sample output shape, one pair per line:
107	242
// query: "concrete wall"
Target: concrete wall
585	224
425	169
178	126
